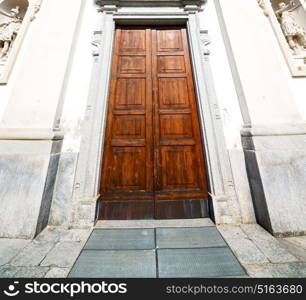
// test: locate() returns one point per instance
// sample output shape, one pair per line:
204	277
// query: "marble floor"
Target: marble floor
172	248
169	252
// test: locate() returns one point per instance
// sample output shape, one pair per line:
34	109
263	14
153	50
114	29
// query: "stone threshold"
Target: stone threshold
204	222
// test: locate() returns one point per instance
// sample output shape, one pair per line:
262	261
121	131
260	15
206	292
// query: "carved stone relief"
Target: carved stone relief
292	25
205	41
9	27
288	19
15	16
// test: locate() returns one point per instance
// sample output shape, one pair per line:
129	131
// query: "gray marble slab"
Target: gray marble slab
33	254
57	273
115	264
63	255
198	263
189	237
22	272
10	248
295	270
112	239
267	244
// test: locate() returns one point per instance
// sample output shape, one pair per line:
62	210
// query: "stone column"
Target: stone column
274	135
30	135
86	188
224	203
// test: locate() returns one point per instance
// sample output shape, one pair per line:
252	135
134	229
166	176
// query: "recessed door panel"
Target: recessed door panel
128	169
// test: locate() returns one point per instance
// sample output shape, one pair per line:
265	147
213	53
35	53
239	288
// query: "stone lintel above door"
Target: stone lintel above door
150	3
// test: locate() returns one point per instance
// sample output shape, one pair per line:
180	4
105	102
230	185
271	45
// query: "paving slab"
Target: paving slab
258	271
295	246
10	248
31	272
75	235
244	249
23	272
127	239
202	222
8	272
198	263
197	237
57	273
231	232
33	254
115	264
64	254
295	270
49	234
54	234
268	244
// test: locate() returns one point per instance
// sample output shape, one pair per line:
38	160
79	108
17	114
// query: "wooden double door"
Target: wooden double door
153	163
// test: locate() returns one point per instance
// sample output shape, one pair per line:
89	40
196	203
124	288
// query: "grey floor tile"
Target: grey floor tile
10	248
63	255
23	272
198	263
57	273
115	264
295	270
197	237
126	239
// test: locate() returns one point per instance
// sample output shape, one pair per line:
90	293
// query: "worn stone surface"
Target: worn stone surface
283	158
63	189
244	249
115	264
8	271
295	245
299	241
10	248
50	234
258	271
57	272
198	263
75	235
31	272
268	244
56	234
297	270
63	254
155	223
23	171
22	272
242	187
49	187
33	254
109	239
196	237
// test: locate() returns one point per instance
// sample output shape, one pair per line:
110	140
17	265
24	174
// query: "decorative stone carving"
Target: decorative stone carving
261	3
14	21
96	43
288	20
9	28
36	9
206	41
293	31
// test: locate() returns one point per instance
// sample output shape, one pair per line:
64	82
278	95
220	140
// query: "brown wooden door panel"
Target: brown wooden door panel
127	173
178	147
153	163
